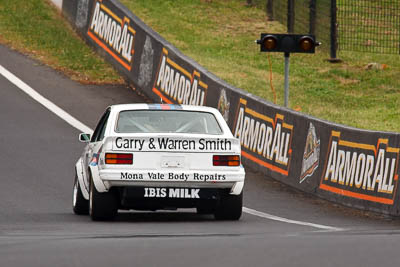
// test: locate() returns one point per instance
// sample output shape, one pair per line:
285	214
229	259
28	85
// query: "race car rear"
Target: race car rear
170	171
152	156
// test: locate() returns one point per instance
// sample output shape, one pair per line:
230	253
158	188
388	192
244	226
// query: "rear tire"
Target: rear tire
229	207
80	205
102	206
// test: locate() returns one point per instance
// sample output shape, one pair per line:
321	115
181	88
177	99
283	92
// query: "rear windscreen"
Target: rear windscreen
167	121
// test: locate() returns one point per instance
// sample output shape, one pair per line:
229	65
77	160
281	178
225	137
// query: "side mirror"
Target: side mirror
84	137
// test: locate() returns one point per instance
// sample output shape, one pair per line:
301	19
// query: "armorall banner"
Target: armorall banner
358	168
367	171
265	138
177	84
113	33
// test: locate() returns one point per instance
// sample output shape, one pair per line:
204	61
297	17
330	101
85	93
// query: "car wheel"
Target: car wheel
102	206
229	207
80	205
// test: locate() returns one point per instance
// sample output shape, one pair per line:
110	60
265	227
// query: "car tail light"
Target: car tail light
118	158
226	160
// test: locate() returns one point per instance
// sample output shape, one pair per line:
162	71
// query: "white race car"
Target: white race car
158	156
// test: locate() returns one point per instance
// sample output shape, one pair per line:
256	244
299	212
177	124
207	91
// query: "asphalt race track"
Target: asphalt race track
38	228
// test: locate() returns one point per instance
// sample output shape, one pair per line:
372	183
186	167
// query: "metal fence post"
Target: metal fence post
270	9
290	16
333	31
313	16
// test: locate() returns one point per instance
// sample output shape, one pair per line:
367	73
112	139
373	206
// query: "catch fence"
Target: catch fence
347	25
369	26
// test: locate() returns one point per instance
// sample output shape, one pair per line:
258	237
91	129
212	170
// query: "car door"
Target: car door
92	149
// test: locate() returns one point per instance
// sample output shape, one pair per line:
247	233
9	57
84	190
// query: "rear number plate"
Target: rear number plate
172	162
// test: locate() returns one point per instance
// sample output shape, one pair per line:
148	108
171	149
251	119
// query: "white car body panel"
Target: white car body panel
189	164
80	174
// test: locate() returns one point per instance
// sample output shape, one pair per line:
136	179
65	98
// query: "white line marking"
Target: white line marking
44	101
83	128
281	219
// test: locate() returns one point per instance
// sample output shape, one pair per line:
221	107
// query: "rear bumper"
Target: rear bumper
149	198
233	180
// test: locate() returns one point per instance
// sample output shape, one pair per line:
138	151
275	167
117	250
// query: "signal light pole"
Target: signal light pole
287	78
287	43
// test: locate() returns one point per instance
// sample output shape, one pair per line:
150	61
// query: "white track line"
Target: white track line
281	219
83	128
44	101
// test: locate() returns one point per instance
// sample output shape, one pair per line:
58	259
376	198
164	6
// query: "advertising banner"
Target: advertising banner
354	167
265	138
365	170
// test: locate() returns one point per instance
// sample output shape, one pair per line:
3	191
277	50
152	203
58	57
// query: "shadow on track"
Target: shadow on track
162	216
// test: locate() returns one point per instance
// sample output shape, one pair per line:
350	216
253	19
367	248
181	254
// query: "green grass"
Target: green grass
36	28
220	35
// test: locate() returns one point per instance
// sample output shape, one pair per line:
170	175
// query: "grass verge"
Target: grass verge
220	36
36	28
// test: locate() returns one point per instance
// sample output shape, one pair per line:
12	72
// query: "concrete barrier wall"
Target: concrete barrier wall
350	166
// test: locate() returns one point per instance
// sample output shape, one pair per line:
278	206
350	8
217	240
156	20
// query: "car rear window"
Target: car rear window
167	121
